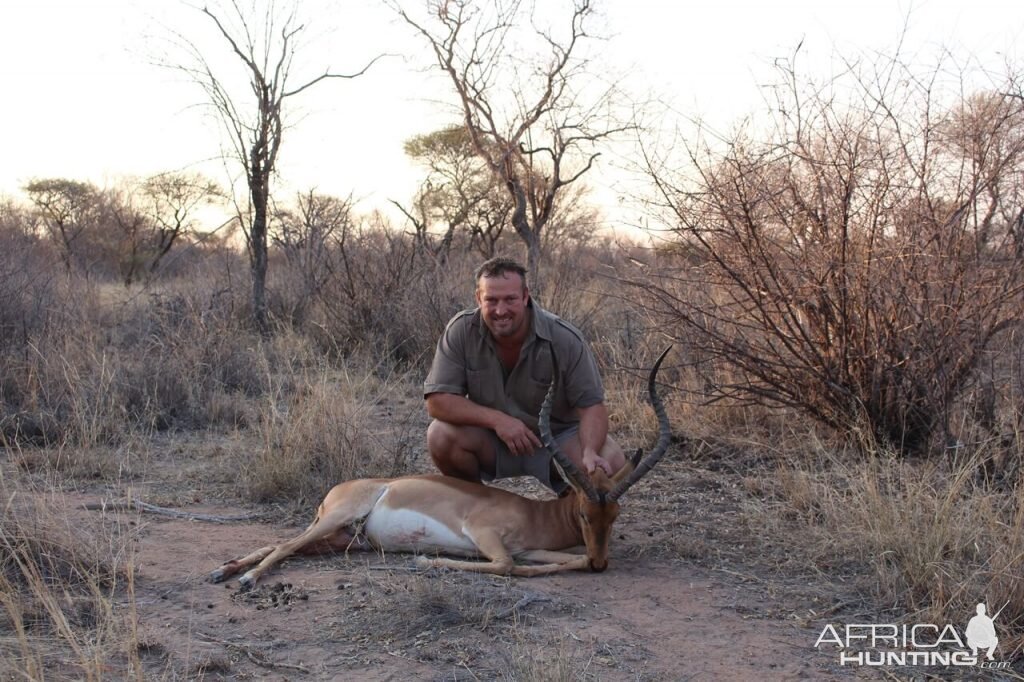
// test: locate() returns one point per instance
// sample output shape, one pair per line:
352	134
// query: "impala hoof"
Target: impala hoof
217	576
424	561
246	583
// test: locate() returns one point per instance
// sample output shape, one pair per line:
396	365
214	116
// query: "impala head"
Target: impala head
597	495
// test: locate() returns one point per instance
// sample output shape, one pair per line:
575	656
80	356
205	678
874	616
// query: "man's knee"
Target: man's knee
445	439
460	451
613	454
441	440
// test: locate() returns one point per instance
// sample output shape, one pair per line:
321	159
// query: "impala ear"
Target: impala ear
600	479
568	479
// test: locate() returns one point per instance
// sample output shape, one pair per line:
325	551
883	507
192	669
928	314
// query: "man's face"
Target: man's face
502	302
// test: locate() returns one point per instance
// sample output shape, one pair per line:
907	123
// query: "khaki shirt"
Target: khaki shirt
466	363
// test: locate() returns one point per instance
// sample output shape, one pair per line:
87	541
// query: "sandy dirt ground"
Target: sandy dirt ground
687	597
309	619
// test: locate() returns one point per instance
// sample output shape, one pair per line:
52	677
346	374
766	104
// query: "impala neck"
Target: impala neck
557	521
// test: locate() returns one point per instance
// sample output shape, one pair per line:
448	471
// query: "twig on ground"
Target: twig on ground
744	576
505	613
387	567
257	657
139	505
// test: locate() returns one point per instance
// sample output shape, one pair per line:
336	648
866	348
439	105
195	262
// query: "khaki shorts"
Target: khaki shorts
537	464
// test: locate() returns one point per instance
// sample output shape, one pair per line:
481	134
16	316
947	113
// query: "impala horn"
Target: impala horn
664	437
566	467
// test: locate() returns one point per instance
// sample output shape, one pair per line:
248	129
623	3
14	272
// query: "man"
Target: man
490	374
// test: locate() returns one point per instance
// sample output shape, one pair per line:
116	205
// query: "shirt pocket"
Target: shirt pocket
484	389
533	396
542	365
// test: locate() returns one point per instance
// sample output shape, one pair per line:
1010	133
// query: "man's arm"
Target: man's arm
461	411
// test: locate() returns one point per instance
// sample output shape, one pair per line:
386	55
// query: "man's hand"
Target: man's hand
592	460
516	435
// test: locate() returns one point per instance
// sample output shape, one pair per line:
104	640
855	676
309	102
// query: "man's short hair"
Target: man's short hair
499	266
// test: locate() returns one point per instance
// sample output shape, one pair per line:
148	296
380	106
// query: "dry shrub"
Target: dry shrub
630	416
385	294
114	363
63	587
29	285
334	425
857	257
100	463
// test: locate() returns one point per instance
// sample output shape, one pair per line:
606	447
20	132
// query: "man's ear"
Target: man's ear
526	294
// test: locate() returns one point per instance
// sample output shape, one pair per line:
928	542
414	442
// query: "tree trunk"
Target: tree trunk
258	253
533	265
532	239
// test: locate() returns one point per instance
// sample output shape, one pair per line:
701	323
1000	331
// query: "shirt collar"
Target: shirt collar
541	322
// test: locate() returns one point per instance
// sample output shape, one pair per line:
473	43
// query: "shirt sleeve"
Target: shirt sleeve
582	379
448	370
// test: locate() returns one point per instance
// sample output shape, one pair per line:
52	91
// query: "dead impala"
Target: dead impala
437	514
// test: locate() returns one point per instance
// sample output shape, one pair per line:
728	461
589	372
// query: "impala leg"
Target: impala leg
577	563
546	556
337	542
327	533
344	506
232	567
489	544
502	564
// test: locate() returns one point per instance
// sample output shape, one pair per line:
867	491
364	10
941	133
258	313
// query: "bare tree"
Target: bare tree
459	192
67	208
27	273
266	46
127	231
856	263
536	120
306	235
170	202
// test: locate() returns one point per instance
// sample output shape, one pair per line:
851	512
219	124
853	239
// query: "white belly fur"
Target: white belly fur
404	530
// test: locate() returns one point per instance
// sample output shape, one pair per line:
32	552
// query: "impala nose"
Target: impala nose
598	565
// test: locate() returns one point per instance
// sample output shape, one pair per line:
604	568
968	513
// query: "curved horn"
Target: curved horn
664	436
565	465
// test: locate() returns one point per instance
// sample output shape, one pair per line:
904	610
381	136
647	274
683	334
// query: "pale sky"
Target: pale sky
83	101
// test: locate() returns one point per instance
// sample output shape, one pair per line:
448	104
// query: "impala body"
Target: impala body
438	514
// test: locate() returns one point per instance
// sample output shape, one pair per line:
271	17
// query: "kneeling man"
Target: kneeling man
490	374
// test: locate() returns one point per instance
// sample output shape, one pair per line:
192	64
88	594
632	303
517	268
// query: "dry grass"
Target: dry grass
935	537
67	593
521	662
479	626
330	426
112	363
